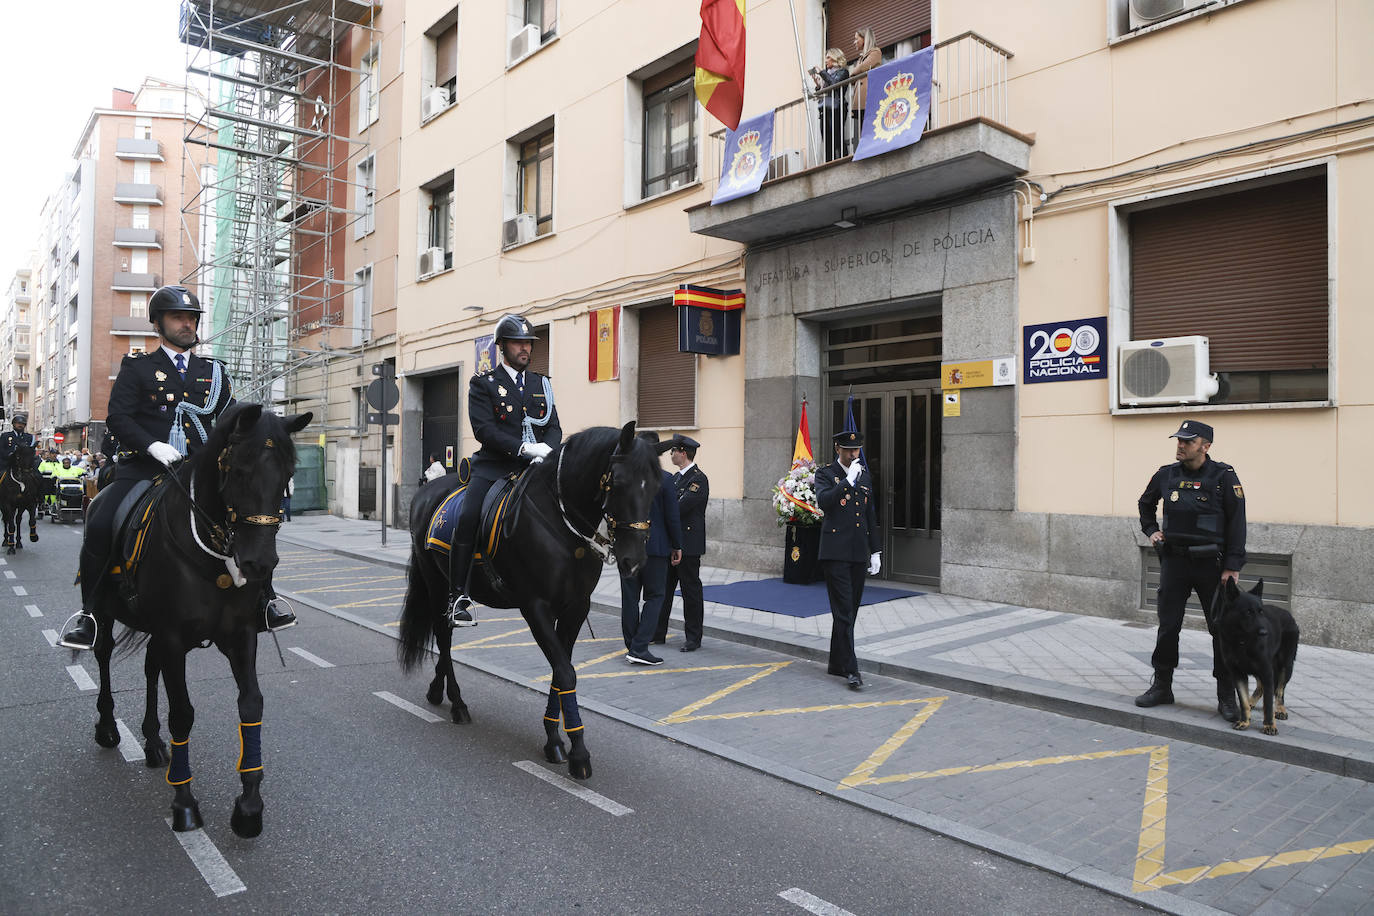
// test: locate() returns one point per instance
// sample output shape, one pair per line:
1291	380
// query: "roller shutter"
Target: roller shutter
890	20
667	377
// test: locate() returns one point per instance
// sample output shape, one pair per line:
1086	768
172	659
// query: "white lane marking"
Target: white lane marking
19	589
83	680
51	637
408	707
310	657
9	574
33	610
812	904
128	744
206	857
4	562
567	785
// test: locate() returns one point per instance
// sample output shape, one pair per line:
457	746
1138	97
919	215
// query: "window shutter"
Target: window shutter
1248	270
667	77
890	20
667	377
446	55
539	353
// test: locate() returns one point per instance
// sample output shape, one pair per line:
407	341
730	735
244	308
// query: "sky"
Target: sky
62	59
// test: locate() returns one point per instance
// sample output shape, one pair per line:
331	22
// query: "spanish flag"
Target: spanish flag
603	351
802	452
720	60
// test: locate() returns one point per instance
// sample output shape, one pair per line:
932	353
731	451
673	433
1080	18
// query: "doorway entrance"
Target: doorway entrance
892	369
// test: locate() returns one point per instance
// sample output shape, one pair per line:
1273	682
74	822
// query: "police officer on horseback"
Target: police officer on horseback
13	439
163	405
513	416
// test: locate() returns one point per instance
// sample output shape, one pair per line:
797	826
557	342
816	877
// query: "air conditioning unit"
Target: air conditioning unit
517	231
431	262
525	41
436	100
1174	370
1148	12
787	162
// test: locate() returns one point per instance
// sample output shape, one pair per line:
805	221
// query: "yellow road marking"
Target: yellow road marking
863	773
1149	856
685	714
1255	863
749	714
639	672
373	602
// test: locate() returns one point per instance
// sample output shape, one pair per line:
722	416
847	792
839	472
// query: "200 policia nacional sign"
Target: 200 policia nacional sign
1066	351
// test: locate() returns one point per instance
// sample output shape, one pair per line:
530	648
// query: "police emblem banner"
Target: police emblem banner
898	104
484	356
745	164
603	348
708	319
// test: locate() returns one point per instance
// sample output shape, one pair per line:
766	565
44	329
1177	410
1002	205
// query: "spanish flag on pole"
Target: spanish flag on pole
603	349
720	60
802	452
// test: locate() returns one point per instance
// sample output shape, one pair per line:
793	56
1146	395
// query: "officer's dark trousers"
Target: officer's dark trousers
844	581
1178	577
465	533
638	622
96	540
688	575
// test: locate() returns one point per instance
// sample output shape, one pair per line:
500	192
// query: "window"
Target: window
543	14
143	172
362	306
137	345
139	219
670	139
437	215
440	66
535	182
366	197
1246	266
138	305
667	378
369	89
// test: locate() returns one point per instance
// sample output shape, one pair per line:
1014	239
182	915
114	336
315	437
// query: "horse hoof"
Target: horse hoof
580	769
154	755
460	714
34	538
244	824
435	696
106	736
553	753
186	818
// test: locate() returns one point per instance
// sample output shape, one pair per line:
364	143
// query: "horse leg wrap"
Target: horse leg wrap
551	710
179	772
250	746
572	718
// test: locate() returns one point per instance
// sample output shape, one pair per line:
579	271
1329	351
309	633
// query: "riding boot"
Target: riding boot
1226	700
459	574
1161	692
83	629
276	612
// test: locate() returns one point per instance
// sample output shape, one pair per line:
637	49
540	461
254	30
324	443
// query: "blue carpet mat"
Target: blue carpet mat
778	597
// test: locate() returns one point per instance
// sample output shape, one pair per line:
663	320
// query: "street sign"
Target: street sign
58	437
384	370
391	418
383	394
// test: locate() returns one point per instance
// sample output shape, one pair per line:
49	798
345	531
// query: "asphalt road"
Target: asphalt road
371	807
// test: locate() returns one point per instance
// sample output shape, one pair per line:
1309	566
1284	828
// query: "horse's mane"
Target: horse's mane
268	425
581	466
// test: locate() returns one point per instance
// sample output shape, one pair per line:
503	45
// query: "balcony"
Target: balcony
131	325
128	192
125	282
22	382
966	146
132	148
125	237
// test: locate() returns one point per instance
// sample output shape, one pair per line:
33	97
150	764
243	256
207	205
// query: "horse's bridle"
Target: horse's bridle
222	535
602	538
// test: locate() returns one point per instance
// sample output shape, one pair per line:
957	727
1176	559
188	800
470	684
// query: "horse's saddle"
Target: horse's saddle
444	522
130	524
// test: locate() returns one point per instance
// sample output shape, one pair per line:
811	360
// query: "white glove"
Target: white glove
852	473
163	453
874	564
535	451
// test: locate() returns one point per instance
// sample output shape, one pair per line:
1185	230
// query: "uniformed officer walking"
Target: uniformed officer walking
693	493
163	405
850	546
513	416
12	439
1201	546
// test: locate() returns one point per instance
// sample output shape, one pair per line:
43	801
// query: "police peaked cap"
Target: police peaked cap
173	299
1192	429
684	442
849	439
513	327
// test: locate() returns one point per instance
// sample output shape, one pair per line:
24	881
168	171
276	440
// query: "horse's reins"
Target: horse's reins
602	538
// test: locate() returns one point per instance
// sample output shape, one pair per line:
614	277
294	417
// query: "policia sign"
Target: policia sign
1066	351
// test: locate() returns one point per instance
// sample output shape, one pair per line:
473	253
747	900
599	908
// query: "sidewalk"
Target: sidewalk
1085	667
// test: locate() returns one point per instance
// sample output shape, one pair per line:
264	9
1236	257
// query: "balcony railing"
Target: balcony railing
127	237
135	148
129	192
968	83
134	283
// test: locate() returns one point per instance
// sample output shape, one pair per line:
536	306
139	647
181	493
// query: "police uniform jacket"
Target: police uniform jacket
665	525
849	530
497	412
145	395
693	492
1201	507
10	440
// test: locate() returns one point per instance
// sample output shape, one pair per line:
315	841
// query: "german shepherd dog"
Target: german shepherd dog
1259	640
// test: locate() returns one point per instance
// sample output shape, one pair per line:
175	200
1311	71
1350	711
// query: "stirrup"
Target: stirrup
460	612
278	614
65	642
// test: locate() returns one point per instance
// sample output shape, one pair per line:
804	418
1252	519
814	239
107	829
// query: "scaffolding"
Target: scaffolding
270	164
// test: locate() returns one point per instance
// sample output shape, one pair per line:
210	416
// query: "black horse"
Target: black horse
19	487
590	494
210	544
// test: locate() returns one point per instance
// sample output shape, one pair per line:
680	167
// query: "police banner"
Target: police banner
484	355
708	319
897	105
747	153
1065	351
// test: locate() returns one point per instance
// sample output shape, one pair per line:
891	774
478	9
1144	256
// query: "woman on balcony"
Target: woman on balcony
869	55
831	104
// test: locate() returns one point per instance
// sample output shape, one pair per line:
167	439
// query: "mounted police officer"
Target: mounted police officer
12	439
163	405
513	416
850	545
1202	545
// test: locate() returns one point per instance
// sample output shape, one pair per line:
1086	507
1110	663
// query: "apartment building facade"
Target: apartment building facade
16	342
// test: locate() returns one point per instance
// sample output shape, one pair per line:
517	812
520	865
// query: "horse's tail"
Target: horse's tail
417	616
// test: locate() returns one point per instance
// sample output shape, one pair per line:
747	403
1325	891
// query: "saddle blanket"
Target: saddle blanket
444	522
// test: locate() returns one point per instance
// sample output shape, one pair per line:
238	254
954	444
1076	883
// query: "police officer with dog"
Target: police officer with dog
1201	545
163	405
511	410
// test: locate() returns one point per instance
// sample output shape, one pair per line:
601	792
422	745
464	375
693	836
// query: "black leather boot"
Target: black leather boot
1161	692
459	569
1226	701
82	633
276	612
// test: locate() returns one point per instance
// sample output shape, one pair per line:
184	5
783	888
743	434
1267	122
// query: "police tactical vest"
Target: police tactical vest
1193	502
